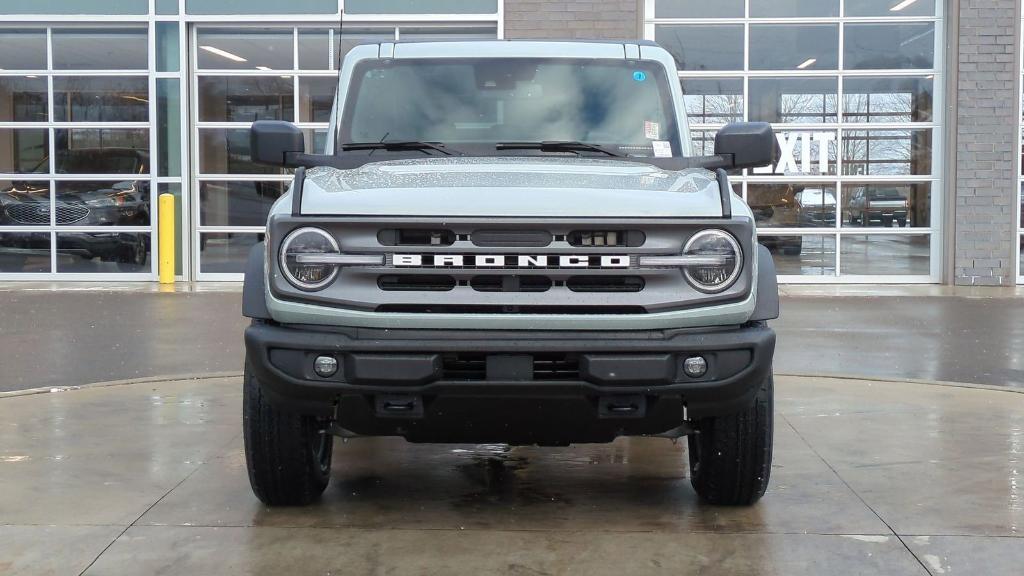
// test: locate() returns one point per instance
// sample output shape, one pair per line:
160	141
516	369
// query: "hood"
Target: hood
511	186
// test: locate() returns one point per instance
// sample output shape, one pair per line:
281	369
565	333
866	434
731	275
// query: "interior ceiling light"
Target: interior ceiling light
807	63
901	5
223	53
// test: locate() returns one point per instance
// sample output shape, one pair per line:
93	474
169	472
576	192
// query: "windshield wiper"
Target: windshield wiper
559	146
399	145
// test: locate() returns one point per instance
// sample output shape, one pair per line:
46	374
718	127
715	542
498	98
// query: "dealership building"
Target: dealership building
899	121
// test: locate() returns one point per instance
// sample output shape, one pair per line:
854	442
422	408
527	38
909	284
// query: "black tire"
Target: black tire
288	454
731	456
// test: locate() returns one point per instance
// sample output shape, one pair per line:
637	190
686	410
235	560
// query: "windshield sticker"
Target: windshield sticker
662	149
652	131
639	75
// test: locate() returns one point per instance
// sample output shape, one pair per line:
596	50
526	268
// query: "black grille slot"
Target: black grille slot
603	238
511	283
464	366
416	237
512	238
498	309
556	367
416	283
605	283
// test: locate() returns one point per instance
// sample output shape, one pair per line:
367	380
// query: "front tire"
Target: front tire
288	454
731	456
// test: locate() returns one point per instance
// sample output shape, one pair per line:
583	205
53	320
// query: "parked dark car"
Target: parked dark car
878	207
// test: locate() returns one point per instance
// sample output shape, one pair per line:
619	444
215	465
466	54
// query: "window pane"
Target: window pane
223	253
436	33
76	7
887	205
23	49
167	47
703	142
713	100
698	9
260	7
791	205
102	151
794	47
887	152
316	140
103	252
25	203
261	49
887	99
886	254
886	8
108	203
316	98
794	100
22	99
166	7
24	151
100	49
793	8
24	252
804	153
884	46
802	255
314	49
246	99
226	151
237	203
101	99
168	126
420	7
703	47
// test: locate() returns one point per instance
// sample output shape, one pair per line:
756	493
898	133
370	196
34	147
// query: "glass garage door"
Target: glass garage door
241	75
75	170
853	89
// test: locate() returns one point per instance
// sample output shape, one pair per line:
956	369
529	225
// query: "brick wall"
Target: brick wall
573	19
986	145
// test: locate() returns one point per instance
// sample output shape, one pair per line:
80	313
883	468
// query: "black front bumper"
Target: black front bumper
529	387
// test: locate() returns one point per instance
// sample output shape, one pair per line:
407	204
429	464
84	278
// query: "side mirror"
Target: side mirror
750	144
273	141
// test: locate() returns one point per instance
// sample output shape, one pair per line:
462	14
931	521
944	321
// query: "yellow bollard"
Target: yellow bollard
166	229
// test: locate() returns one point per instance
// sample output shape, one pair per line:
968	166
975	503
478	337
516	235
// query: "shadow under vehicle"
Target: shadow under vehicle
878	207
84	203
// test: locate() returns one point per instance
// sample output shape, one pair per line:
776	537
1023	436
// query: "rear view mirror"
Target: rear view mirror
750	144
275	142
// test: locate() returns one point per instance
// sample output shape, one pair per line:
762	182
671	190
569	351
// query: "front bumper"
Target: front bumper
530	387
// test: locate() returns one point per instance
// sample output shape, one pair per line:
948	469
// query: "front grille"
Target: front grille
36	213
605	283
463	366
511	283
556	367
500	309
413	283
605	238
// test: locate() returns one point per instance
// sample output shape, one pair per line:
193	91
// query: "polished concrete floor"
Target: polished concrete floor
69	337
869	478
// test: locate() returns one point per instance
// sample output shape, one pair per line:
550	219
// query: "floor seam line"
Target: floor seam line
857	494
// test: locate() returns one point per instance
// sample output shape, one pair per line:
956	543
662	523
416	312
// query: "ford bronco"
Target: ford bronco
509	242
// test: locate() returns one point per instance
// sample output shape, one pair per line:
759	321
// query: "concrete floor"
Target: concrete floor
869	478
69	337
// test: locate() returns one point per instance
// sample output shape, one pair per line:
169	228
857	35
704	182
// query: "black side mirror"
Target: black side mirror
273	141
750	144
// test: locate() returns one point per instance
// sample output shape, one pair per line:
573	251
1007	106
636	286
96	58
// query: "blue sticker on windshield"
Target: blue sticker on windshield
639	75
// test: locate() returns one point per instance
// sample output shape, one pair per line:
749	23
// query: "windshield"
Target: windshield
620	104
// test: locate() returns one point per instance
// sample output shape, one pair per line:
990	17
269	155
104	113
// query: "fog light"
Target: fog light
325	366
695	366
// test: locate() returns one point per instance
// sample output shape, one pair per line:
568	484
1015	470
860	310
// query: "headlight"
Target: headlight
308	242
717	259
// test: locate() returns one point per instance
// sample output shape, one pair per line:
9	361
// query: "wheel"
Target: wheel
731	456
902	222
288	454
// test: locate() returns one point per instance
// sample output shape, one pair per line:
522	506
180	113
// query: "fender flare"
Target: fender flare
767	305
254	296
